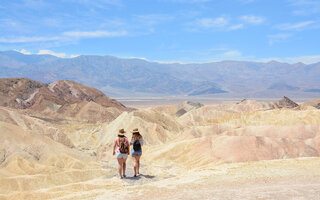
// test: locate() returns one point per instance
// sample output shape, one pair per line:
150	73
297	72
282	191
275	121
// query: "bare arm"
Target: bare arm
129	148
131	141
114	148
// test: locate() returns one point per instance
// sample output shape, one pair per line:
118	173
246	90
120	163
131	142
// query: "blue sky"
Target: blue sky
165	30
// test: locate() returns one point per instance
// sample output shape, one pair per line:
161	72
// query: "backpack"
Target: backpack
123	146
136	145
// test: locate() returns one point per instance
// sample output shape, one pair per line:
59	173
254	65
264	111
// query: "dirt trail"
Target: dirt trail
274	179
286	188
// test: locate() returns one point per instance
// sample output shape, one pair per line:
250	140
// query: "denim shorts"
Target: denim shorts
122	155
136	153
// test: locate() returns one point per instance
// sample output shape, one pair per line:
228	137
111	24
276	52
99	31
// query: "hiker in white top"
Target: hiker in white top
136	151
121	147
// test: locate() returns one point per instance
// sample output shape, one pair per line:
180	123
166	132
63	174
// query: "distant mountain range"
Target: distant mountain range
137	77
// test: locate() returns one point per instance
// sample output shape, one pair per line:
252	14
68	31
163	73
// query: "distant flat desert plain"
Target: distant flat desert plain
146	102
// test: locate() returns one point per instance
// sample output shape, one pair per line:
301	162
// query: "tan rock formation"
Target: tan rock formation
314	102
34	125
63	97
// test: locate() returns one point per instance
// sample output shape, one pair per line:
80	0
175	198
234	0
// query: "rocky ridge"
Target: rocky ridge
59	99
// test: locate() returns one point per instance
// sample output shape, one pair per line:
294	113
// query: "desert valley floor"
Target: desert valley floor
56	143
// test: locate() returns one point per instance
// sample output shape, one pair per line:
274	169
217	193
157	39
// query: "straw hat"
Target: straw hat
121	132
135	130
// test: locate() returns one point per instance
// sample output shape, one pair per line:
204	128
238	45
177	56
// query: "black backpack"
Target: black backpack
136	145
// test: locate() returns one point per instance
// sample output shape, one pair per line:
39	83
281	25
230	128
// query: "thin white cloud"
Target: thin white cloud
303	2
223	23
280	37
300	12
112	23
310	59
153	19
49	52
66	36
220	54
140	58
187	1
25	39
235	27
74	56
251	19
98	3
9	23
23	51
52	22
247	1
94	34
33	4
218	49
232	54
295	26
208	23
45	52
305	7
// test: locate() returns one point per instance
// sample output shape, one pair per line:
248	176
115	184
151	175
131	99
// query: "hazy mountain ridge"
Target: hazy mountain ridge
134	76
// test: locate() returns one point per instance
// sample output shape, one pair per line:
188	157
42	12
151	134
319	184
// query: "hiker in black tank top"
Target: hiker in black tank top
136	151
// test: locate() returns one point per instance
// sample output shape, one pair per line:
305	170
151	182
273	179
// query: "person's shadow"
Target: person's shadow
147	176
133	178
140	176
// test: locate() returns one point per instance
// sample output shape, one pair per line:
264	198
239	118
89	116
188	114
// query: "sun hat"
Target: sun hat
121	132
136	130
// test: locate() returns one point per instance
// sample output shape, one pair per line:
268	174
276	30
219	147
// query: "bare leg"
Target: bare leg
134	160
120	167
124	166
138	164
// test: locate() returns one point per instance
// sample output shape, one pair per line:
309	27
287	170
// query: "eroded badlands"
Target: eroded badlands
245	150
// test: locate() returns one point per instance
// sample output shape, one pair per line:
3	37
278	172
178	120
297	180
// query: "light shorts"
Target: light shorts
136	153
122	155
